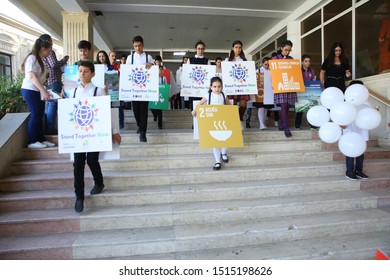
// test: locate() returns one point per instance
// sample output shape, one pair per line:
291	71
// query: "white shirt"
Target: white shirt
31	65
139	59
87	91
215	99
236	58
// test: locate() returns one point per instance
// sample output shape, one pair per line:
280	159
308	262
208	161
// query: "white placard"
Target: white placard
268	92
195	121
84	125
98	79
239	77
195	79
136	83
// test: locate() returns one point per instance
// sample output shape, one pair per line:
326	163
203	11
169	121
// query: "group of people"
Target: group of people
333	72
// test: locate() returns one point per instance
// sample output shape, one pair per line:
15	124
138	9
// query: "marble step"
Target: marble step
157	177
178	136
64	198
185	239
137	162
358	246
188	213
146	149
200	160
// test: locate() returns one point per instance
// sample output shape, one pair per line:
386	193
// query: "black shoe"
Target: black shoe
79	205
121	126
217	166
142	137
97	189
247	125
287	133
225	158
160	127
280	128
138	131
351	175
154	119
361	175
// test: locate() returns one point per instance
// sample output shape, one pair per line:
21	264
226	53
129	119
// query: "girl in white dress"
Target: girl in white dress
215	96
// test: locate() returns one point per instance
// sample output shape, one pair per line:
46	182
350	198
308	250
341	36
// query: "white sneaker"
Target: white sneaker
36	145
48	144
262	126
276	124
242	125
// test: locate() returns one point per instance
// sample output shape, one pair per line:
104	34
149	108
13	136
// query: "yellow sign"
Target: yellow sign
286	75
219	126
260	87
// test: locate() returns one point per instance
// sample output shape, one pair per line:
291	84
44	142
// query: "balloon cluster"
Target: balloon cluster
345	110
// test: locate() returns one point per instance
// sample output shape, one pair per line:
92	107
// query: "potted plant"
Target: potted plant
11	99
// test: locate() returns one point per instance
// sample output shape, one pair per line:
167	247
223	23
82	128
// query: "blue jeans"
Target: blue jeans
37	109
51	110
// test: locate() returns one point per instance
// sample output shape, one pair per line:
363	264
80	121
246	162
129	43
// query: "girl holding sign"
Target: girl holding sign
237	54
285	99
215	96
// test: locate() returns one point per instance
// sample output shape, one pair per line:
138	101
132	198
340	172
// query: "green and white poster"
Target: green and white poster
310	97
163	101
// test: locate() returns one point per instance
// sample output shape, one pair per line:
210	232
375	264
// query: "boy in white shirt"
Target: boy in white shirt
87	89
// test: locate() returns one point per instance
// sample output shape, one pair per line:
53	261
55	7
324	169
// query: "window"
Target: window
311	45
311	22
5	65
336	7
370	57
339	30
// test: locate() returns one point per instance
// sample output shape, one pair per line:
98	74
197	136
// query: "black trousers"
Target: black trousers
191	102
140	109
354	163
157	113
92	159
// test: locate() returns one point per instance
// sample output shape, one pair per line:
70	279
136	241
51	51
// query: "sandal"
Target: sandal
217	166
225	158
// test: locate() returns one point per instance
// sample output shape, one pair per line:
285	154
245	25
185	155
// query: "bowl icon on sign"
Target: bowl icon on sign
221	133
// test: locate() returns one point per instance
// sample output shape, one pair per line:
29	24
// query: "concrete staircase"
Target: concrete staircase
277	198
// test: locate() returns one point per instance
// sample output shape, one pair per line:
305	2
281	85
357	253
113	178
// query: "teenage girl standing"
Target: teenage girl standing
288	98
215	96
237	54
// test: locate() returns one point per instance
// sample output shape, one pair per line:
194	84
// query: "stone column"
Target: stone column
77	26
294	35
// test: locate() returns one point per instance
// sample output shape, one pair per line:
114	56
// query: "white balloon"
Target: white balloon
318	115
356	94
343	113
352	144
330	132
331	96
368	118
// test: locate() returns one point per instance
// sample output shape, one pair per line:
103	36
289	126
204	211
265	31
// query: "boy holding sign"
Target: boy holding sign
87	89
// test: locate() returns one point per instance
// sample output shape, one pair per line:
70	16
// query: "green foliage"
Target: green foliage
11	99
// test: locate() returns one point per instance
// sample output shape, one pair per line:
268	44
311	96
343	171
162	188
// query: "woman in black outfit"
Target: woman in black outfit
335	68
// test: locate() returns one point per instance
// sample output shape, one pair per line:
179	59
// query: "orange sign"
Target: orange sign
286	75
260	87
219	126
